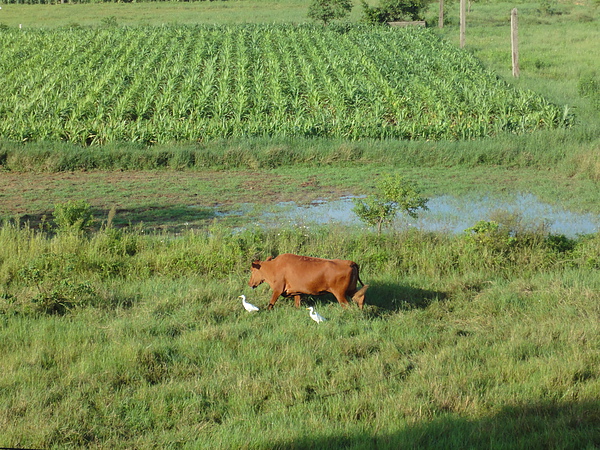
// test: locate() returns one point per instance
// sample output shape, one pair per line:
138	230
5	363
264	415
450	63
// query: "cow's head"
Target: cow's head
256	276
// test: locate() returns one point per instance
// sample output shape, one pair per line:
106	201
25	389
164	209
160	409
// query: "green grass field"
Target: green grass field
123	340
131	335
155	13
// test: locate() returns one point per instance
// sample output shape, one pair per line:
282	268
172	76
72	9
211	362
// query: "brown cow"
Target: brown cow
292	275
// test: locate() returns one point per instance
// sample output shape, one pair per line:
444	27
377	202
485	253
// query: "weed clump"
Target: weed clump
588	86
73	216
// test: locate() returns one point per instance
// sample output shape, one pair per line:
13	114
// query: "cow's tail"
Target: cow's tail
355	274
358	278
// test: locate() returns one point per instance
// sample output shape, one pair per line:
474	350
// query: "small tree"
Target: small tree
394	10
328	10
394	193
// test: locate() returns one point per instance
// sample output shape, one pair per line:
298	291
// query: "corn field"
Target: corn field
91	86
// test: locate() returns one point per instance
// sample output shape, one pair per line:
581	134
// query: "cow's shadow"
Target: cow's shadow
382	298
395	297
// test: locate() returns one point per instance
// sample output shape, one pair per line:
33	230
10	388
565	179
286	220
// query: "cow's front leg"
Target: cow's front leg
274	297
297	300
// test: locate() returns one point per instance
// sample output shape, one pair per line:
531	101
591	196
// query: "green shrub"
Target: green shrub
548	7
73	216
56	288
394	194
491	235
110	21
327	10
394	10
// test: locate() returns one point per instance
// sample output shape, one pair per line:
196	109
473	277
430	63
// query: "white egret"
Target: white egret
315	315
249	306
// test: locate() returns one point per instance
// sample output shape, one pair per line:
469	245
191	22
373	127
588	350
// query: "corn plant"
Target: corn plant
199	83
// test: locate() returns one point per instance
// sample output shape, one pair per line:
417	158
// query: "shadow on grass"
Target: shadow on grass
171	218
397	297
385	297
568	425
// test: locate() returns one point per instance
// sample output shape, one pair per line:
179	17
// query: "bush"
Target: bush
73	216
394	10
395	193
327	10
51	286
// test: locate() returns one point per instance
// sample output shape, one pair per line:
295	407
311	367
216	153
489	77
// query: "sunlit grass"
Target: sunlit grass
154	13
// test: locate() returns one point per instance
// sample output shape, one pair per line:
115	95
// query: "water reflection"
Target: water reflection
447	214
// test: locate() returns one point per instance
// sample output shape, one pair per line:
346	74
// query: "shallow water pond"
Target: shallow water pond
445	214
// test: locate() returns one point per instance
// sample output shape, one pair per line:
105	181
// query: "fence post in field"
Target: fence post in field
441	16
514	38
463	20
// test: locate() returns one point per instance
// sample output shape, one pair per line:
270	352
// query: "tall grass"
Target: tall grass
537	150
463	338
572	152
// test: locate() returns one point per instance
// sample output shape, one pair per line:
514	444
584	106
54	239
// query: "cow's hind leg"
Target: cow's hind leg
297	300
341	298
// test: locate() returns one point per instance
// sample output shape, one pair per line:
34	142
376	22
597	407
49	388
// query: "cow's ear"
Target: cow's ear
256	264
269	258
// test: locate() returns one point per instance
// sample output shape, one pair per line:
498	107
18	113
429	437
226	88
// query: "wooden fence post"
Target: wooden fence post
514	38
441	16
463	20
